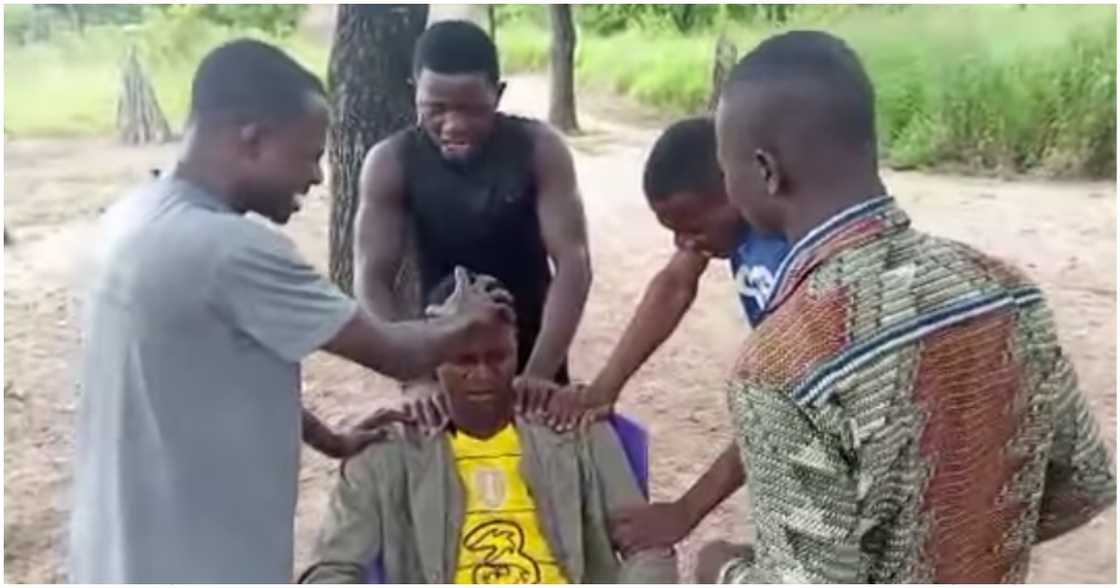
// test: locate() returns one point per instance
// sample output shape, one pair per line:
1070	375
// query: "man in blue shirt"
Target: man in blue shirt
684	187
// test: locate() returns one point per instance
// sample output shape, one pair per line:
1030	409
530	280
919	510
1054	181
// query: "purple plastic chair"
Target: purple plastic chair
635	444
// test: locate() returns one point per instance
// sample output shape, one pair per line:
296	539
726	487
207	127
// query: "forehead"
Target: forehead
682	208
502	338
460	87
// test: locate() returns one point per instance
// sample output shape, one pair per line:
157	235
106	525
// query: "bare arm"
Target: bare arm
666	300
380	226
658	524
411	348
379	231
564	232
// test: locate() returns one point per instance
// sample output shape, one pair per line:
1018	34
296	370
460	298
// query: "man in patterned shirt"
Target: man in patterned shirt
904	412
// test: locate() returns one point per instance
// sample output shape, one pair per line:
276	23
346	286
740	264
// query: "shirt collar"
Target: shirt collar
196	194
849	227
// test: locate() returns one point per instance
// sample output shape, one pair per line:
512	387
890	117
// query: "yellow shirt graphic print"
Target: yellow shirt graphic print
501	541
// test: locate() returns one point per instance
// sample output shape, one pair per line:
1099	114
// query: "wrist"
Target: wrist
605	388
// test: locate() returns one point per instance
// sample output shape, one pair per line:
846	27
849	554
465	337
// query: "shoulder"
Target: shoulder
388	155
384	459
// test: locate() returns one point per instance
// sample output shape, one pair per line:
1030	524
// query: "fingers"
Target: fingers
384	417
363	439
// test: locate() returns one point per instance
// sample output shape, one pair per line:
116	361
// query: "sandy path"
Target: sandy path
1063	234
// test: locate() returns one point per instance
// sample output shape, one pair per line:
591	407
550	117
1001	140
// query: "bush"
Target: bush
987	87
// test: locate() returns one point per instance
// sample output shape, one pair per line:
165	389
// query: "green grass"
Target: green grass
69	85
983	87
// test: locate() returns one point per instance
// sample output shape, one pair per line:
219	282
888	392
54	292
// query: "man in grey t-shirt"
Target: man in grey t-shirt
197	319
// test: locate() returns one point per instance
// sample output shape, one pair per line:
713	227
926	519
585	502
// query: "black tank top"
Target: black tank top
483	216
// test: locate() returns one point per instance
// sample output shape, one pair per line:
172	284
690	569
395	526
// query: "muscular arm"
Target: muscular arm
379	237
564	232
665	302
379	231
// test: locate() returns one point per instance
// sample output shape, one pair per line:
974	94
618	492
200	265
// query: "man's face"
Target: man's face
479	380
746	177
457	111
706	223
281	162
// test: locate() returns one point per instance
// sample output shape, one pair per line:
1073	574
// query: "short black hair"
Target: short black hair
443	289
249	80
836	77
683	159
456	47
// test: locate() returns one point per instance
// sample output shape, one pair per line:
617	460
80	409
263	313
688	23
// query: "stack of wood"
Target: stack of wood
140	120
726	53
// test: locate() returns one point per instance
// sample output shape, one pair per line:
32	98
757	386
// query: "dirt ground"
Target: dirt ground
1064	234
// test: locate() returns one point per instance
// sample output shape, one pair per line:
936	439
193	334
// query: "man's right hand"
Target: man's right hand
561	408
478	302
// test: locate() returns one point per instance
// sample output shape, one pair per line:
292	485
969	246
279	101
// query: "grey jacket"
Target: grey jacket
403	499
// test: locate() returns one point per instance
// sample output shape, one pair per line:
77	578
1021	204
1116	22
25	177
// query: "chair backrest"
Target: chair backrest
635	444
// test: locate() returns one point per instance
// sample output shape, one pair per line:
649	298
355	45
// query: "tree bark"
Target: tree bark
726	52
562	102
139	118
372	97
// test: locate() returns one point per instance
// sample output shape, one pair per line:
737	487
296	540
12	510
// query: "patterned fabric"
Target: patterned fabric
501	542
906	414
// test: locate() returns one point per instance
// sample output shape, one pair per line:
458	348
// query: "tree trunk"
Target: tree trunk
139	118
726	52
368	77
562	102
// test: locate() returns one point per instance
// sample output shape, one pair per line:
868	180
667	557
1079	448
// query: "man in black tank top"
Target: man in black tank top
494	193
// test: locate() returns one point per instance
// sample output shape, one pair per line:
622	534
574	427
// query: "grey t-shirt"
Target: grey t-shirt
189	422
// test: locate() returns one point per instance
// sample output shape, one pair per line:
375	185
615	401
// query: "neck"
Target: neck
482	422
831	198
205	168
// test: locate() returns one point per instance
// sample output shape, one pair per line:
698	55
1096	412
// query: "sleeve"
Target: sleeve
804	493
351	534
618	487
269	292
1080	481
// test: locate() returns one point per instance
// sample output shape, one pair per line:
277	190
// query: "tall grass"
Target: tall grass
69	85
984	87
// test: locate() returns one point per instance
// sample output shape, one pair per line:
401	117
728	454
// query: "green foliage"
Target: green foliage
38	22
985	87
68	85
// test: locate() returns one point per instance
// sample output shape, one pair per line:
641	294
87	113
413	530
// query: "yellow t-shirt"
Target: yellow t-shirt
501	542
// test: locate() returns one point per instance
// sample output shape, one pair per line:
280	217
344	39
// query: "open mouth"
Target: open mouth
455	148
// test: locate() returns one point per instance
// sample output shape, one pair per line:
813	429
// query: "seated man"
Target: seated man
492	499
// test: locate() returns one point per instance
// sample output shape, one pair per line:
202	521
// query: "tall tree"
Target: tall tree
562	102
372	97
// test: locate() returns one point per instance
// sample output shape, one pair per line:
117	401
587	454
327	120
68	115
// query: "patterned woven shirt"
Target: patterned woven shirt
906	414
